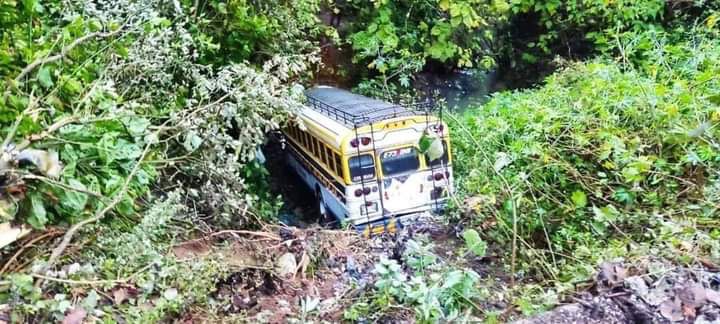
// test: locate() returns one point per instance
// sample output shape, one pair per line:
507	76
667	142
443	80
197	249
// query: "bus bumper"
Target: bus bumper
385	225
394	223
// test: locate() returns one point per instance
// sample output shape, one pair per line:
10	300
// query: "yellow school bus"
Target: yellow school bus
362	158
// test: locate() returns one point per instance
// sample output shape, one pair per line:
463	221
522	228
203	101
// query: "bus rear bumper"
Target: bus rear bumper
392	223
386	225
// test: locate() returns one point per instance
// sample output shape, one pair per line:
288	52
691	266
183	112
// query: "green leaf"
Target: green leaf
424	143
45	78
474	243
74	201
38	216
606	214
72	86
579	198
7	210
136	126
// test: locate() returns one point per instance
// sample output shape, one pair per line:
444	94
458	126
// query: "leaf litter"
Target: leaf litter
648	291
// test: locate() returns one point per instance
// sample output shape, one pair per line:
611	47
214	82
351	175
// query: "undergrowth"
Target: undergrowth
605	160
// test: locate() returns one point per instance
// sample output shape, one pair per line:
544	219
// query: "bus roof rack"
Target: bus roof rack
355	110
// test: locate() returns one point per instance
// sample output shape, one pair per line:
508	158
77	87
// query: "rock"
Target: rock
638	286
598	310
611	275
286	265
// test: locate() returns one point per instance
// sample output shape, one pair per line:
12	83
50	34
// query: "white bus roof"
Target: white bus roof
354	110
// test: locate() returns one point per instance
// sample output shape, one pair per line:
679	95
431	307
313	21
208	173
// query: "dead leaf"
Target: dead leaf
672	310
77	292
75	316
707	263
120	295
692	295
191	249
689	312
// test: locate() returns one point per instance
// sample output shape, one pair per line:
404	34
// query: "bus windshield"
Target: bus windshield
361	167
399	161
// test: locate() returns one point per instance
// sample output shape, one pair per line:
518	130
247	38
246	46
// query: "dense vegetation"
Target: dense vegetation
601	157
129	126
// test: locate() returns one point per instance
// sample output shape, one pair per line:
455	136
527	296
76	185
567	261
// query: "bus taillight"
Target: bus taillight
363	140
364	191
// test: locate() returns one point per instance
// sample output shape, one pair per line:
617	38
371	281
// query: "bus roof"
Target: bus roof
354	110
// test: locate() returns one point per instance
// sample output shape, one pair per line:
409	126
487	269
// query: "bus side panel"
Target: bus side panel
332	202
306	176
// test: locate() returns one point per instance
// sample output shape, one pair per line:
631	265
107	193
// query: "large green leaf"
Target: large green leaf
579	199
474	243
44	77
74	201
38	215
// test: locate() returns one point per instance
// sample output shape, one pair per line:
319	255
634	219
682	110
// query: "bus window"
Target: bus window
443	158
315	147
321	152
328	158
338	165
361	167
400	160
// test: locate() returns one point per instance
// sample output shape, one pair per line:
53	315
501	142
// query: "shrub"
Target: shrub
600	151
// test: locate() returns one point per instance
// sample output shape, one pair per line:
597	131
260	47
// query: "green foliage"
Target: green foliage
474	243
116	87
96	155
242	30
394	39
600	152
436	293
166	286
579	28
111	94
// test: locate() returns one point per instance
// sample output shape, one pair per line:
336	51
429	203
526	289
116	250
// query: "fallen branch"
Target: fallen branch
12	259
270	236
